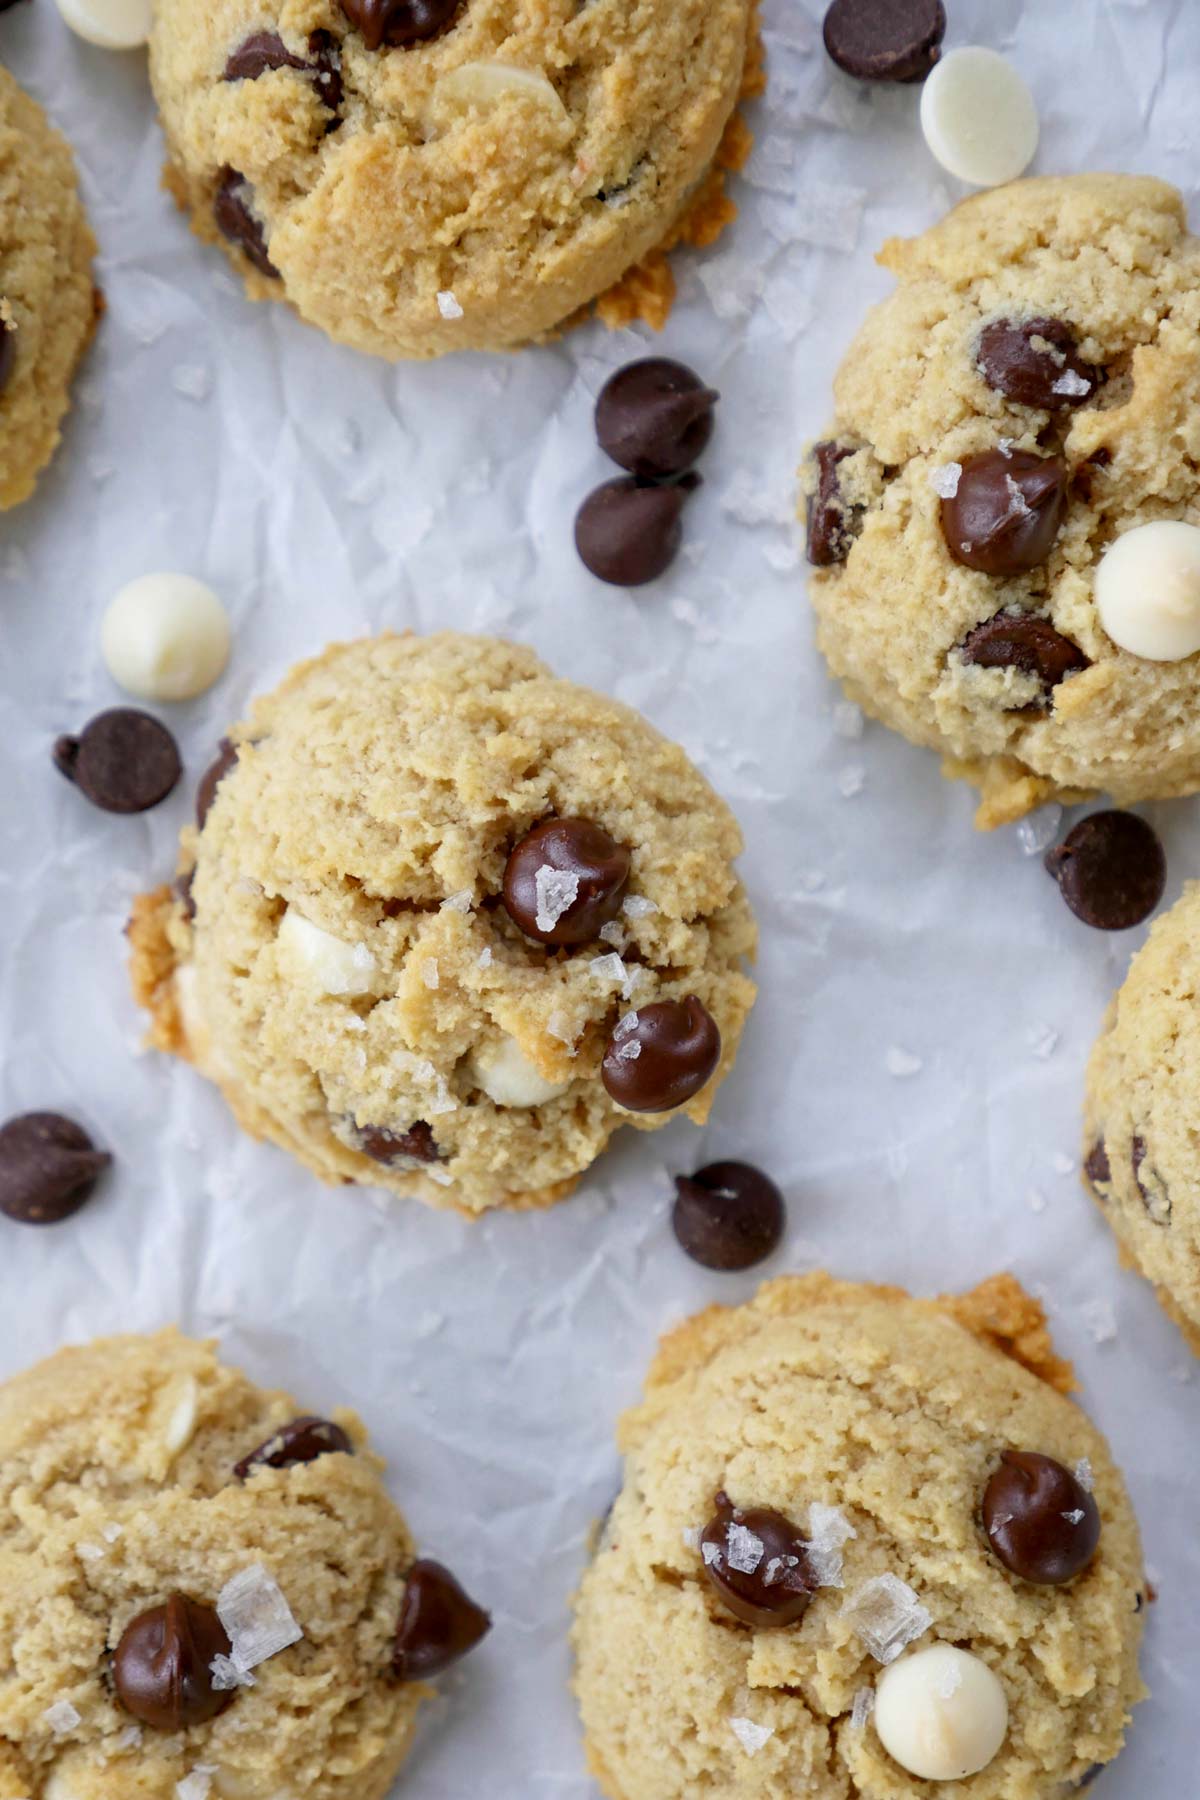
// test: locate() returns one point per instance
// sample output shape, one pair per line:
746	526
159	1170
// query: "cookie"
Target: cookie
419	176
204	1593
825	1491
448	922
1027	396
48	303
1139	1155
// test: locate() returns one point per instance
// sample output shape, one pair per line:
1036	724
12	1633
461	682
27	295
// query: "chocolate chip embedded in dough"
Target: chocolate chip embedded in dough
236	221
1025	642
398	23
1006	514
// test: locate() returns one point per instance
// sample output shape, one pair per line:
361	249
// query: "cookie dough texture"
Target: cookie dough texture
116	1472
1110	255
46	290
895	1411
521	203
378	793
1143	1113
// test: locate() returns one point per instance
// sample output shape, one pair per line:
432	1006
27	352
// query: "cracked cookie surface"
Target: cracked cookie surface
895	1412
1055	322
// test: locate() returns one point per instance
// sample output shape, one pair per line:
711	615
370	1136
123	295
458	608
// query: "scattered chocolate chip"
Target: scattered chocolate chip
398	22
1007	512
417	1144
182	889
728	1215
1097	1167
235	221
830	522
655	417
661	1055
885	40
123	760
1110	869
1083	482
1041	1521
264	51
300	1441
1025	642
439	1623
325	65
627	533
162	1665
1089	1776
583	876
8	354
212	778
757	1561
1036	363
48	1168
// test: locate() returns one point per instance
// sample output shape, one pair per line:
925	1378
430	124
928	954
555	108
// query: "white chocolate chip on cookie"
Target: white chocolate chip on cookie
508	1078
111	24
1148	590
941	1713
326	961
486	84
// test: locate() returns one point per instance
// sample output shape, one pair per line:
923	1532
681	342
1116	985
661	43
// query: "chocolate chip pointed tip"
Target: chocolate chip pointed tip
123	761
49	1168
628	533
301	1440
885	40
162	1666
728	1215
655	417
439	1623
1111	870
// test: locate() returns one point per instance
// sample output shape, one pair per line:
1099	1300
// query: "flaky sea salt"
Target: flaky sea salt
902	1063
691	1537
945	479
257	1619
1037	832
636	906
1018	505
886	1615
461	902
828	1531
559	1026
613	934
1042	1040
90	1552
228	1674
608	968
448	306
429	972
198	1784
864	1706
848	720
1084	1474
1070	382
130	1738
61	1717
744	1549
485	959
557	891
750	1736
851	781
1100	1318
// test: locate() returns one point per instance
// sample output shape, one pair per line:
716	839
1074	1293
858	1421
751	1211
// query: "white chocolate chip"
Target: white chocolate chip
112	24
979	118
940	1713
165	637
326	961
487	84
1148	590
202	1051
181	1419
508	1078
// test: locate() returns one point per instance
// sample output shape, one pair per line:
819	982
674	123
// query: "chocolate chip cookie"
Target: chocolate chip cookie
1027	397
445	922
419	176
863	1542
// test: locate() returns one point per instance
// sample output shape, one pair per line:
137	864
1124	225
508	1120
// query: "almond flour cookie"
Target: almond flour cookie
1029	394
418	176
863	1542
1140	1162
448	922
204	1595
48	304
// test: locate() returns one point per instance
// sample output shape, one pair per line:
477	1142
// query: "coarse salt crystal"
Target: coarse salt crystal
429	972
1084	1474
1100	1318
848	720
828	1531
711	1554
864	1706
886	1615
636	906
1070	382
227	1673
461	902
111	1532
448	306
778	1567
851	781
1017	503
257	1619
91	1552
485	959
744	1549
559	1026
945	479
629	1052
613	934
1062	1164
1037	832
1043	1040
198	1784
130	1738
902	1063
557	891
1074	1516
691	1537
750	1736
61	1717
608	968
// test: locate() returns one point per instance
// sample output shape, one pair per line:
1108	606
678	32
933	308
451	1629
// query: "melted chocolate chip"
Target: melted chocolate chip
302	1440
264	51
655	417
1023	641
398	22
583	876
831	524
1035	362
162	1665
439	1623
123	760
1041	1521
757	1562
417	1144
660	1056
627	533
49	1168
1097	1167
8	354
885	40
212	778
1007	512
235	220
1110	870
728	1215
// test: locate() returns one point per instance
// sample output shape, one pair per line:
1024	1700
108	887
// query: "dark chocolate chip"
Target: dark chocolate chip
261	52
302	1440
1036	363
757	1562
212	778
417	1144
1137	1156
8	354
162	1666
831	524
587	873
1110	869
398	22
1089	1776
661	1055
885	40
627	533
439	1623
655	417
123	760
182	890
1041	1521
325	66
1025	642
1084	481
1097	1167
728	1215
235	220
48	1168
1007	512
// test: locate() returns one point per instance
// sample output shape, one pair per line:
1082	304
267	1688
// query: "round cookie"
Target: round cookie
419	176
1029	393
1143	1113
48	303
139	1474
838	1441
345	960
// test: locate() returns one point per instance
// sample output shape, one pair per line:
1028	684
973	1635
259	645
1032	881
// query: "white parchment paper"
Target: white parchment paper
912	1074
